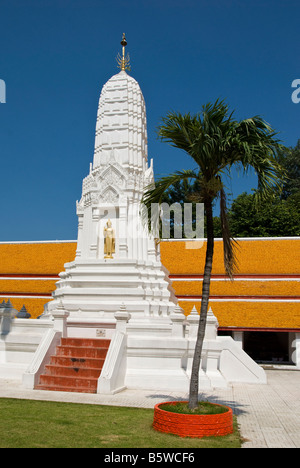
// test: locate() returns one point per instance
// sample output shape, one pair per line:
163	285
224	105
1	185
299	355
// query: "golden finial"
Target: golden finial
124	61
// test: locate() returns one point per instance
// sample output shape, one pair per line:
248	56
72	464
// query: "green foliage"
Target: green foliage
216	142
273	218
290	159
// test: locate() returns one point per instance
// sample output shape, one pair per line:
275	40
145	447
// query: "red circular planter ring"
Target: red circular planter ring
192	425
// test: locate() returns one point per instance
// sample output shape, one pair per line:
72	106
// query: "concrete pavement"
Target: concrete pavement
268	415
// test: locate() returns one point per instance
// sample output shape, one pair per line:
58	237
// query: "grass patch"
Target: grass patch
44	424
204	407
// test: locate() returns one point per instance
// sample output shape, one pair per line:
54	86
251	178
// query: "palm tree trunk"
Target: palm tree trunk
194	383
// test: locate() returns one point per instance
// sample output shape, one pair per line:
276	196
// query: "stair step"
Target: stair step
86	342
81	352
67	361
57	388
76	366
68	371
71	382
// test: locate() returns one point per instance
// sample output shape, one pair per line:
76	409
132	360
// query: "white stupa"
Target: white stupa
116	288
97	283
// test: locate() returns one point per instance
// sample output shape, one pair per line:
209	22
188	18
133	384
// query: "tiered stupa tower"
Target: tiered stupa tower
116	288
117	261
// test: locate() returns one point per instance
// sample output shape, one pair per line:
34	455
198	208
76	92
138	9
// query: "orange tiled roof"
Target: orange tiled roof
265	293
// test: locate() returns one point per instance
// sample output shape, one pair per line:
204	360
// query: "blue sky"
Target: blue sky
56	55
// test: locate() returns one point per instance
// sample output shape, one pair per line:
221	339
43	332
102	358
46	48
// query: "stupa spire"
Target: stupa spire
124	61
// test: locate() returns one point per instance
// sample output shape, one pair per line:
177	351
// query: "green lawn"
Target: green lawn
42	424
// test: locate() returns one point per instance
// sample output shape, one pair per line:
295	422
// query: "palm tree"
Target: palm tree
216	142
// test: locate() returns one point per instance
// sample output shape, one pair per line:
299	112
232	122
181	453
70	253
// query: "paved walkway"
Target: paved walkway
268	415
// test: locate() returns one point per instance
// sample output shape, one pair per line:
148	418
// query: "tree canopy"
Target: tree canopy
276	216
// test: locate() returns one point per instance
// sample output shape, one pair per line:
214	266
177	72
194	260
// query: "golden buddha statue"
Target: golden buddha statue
109	240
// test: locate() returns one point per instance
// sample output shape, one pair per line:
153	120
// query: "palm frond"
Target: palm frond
217	142
254	144
181	131
154	193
